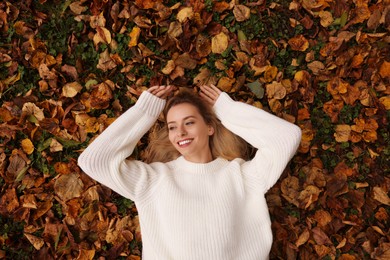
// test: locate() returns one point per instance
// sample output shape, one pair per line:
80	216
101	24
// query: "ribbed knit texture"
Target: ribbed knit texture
188	210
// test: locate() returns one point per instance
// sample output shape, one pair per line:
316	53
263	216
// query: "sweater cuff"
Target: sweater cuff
223	104
150	104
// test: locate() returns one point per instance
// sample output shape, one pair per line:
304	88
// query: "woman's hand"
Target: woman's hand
161	91
210	93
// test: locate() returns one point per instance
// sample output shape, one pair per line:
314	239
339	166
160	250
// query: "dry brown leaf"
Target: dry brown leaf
276	90
303	238
37	242
105	61
381	195
85	254
102	36
203	45
175	29
9	201
68	186
186	61
241	13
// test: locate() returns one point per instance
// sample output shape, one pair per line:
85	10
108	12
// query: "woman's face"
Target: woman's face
189	133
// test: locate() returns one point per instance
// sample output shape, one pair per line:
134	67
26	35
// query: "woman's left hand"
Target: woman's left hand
210	93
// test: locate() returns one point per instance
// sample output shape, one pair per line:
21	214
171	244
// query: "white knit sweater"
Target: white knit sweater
211	211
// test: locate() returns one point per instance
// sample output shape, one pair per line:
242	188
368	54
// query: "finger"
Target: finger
217	90
207	98
153	89
209	91
164	91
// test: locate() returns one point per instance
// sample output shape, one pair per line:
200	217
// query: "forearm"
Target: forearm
103	157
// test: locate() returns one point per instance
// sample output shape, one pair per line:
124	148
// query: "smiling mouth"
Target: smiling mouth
184	142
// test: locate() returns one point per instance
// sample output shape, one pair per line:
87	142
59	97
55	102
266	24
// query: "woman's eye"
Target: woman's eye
171	128
189	123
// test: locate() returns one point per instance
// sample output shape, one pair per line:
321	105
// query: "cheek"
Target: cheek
171	137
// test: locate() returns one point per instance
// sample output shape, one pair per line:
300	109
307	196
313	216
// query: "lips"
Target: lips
184	142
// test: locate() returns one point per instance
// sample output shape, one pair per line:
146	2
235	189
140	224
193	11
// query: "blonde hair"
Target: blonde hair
223	143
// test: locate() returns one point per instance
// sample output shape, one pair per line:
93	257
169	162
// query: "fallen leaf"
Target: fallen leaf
27	146
241	13
298	43
134	36
219	43
342	133
186	13
68	186
71	89
303	238
381	196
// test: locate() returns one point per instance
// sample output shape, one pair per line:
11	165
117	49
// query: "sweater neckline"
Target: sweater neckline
200	168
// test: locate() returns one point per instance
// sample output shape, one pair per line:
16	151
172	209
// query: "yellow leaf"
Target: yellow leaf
326	18
27	146
169	67
219	43
71	89
270	73
184	14
226	84
385	101
134	36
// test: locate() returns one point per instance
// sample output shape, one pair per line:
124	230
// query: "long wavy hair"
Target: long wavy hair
223	143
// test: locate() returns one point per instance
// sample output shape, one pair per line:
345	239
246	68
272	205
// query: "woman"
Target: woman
202	204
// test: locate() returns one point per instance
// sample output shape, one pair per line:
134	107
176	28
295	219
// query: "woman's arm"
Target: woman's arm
276	139
105	158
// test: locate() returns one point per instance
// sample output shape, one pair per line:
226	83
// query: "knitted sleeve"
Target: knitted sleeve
276	140
105	158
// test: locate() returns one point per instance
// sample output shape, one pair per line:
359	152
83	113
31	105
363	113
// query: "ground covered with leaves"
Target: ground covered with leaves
69	68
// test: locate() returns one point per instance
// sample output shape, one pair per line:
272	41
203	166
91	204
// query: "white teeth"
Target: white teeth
185	142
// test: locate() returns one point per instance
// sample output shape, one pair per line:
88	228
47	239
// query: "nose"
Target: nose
181	131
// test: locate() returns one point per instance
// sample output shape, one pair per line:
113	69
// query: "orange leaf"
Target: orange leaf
385	101
342	133
27	146
299	43
134	36
384	69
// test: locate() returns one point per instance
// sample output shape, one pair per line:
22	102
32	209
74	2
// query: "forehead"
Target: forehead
181	111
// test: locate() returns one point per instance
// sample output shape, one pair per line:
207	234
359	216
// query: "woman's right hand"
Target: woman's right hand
161	91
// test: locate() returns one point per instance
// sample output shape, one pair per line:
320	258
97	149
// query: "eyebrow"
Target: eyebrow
187	117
